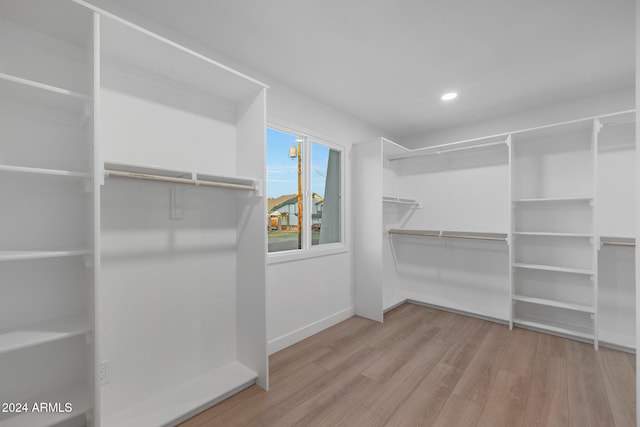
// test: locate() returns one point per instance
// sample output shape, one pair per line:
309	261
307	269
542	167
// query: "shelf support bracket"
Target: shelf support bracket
177	202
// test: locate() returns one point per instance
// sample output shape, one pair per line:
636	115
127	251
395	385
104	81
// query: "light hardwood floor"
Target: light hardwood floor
429	367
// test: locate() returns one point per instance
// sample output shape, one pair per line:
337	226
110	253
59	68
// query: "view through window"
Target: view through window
304	194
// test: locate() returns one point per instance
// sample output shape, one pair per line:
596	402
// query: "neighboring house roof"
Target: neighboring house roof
273	204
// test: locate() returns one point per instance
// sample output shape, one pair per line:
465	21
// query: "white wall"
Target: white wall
587	107
304	296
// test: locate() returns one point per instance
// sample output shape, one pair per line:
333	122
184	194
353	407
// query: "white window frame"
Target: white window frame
308	250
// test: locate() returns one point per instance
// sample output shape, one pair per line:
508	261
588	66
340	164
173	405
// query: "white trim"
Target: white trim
301	254
300	334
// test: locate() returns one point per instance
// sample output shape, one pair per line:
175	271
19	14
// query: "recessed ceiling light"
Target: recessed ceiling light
449	96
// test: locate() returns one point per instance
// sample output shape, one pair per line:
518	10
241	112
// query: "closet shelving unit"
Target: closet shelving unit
46	171
568	186
383	168
181	268
554	230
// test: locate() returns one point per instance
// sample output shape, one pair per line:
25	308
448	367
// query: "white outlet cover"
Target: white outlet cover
104	372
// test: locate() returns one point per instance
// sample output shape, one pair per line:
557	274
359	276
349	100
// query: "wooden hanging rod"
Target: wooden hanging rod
463	236
176	180
627	244
443	234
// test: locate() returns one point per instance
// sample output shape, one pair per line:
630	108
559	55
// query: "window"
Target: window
304	190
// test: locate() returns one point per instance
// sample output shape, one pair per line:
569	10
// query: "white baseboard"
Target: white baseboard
298	335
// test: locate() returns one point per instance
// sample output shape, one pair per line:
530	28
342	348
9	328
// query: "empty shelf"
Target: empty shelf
552	328
27	255
43	171
185	399
552	303
435	150
42	332
554	268
77	395
41	94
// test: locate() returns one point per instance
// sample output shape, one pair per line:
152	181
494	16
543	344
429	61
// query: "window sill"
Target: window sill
298	255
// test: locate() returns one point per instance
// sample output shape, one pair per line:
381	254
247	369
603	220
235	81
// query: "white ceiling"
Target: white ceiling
388	62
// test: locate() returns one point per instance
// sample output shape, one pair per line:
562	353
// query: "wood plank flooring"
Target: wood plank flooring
428	367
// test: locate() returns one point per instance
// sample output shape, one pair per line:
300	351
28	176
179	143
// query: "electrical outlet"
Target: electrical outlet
104	372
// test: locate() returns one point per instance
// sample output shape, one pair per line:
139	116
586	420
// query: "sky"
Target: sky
282	171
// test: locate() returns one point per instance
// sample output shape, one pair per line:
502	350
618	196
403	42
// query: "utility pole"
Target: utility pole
299	140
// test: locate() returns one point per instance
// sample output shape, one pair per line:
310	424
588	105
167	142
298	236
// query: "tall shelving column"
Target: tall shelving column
554	267
46	176
182	245
368	228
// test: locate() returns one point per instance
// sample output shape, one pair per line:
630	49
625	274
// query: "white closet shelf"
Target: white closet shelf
28	255
154	173
573	270
400	200
554	199
563	330
185	399
549	234
43	94
42	171
77	394
435	150
42	332
554	303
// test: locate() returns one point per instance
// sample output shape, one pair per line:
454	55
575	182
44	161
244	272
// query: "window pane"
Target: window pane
325	195
284	192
